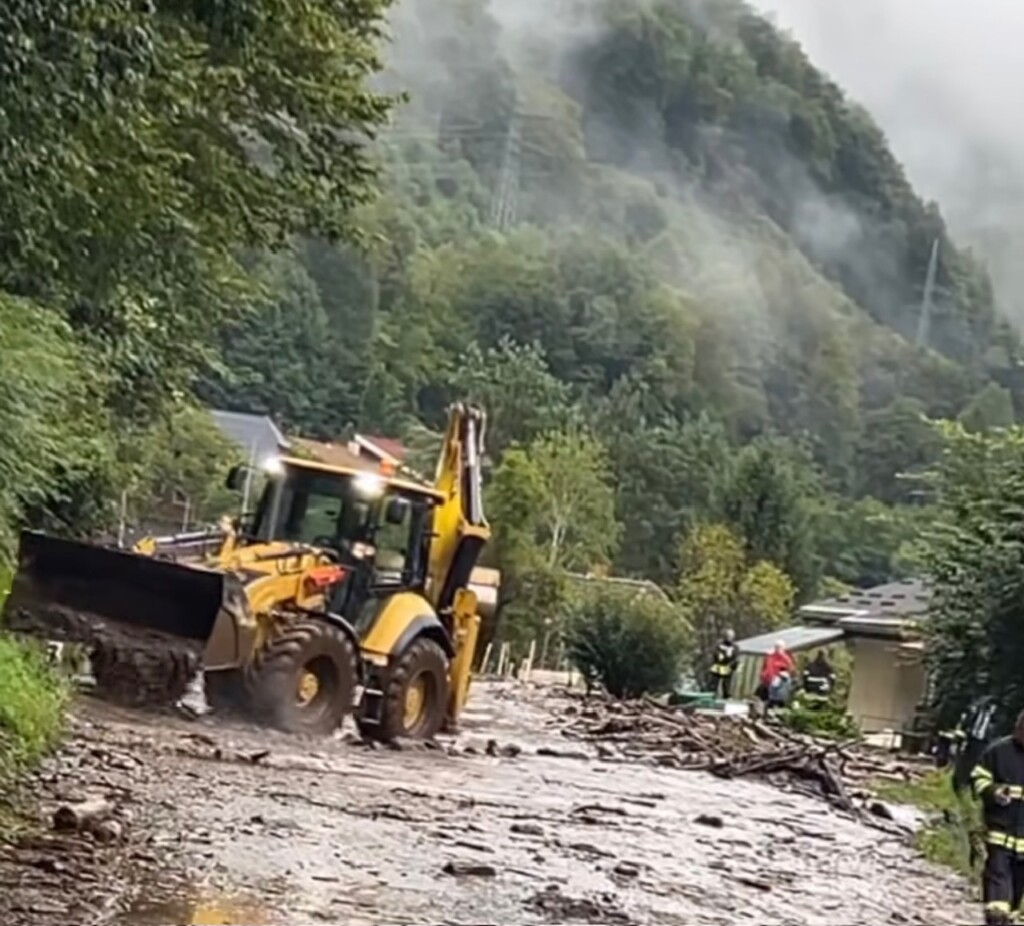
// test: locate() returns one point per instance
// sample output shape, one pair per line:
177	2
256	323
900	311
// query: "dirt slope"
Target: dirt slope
226	824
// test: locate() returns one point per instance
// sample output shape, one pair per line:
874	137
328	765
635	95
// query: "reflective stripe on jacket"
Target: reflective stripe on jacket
1002	767
727	655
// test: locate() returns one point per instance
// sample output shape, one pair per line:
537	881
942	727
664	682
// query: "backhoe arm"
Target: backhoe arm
460	529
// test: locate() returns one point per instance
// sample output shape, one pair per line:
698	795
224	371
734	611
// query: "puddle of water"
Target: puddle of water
207	911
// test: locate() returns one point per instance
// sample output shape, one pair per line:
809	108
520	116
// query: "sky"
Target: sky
943	78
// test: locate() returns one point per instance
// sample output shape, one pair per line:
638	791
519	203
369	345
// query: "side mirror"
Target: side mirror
396	509
235	481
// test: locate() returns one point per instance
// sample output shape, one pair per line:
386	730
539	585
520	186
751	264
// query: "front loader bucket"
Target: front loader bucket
146	621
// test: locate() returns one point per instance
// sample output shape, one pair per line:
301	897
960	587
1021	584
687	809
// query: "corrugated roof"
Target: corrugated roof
895	601
253	433
794	639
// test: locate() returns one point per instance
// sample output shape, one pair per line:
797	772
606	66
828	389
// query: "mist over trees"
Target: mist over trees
683	271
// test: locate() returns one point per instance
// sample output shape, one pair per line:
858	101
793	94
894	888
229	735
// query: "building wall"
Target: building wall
886	687
748	675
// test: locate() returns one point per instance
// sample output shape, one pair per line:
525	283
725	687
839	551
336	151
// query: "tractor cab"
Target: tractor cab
375	527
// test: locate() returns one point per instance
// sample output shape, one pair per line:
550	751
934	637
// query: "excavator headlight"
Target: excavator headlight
272	466
369	485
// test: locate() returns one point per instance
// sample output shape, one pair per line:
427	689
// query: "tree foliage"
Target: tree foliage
144	149
767	502
631	643
974	553
678	267
559	487
718	589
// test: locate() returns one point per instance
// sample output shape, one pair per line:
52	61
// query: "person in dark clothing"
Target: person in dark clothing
819	681
971	736
723	667
998	780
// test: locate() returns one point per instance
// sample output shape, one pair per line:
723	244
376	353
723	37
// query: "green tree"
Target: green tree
185	454
530	592
992	407
558	491
51	435
172	134
286	358
145	149
513	383
975	564
717	590
898	440
864	542
552	507
669	477
768	502
631	642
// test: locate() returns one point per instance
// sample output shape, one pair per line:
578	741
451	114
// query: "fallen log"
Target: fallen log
671	736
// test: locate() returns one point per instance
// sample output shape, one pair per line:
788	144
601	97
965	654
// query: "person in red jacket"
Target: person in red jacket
775	663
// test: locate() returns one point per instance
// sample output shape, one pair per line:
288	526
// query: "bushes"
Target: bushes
630	641
831	720
32	702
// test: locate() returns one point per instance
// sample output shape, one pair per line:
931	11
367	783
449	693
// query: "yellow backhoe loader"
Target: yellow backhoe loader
348	588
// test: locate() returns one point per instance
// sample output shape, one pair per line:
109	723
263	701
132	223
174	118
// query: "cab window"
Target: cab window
321	507
399	540
392	538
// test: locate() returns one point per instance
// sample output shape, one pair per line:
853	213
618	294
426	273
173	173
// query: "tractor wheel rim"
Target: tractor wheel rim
415	701
308	688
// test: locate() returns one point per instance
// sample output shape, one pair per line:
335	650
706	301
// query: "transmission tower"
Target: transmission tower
925	318
505	203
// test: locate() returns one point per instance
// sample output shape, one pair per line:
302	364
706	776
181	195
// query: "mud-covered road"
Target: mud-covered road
224	824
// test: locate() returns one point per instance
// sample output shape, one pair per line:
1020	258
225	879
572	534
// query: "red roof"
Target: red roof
387	445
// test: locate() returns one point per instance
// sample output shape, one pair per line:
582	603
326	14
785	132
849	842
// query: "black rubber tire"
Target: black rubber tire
225	691
272	681
139	676
423	657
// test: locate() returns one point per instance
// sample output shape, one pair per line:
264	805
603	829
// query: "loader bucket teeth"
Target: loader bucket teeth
144	620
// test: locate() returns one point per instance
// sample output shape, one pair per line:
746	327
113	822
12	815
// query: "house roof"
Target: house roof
334	454
383	446
257	435
896	602
342	456
794	639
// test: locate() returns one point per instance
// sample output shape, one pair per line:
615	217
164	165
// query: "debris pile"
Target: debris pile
652	733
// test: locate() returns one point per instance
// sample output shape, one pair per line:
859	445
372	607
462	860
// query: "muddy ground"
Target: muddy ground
226	824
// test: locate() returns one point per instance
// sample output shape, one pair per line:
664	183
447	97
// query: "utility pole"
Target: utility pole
122	520
249	470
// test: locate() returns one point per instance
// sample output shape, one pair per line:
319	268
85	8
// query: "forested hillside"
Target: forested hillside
683	272
657	231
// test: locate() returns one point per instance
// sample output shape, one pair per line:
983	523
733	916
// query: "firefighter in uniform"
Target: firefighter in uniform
998	780
966	740
818	682
723	667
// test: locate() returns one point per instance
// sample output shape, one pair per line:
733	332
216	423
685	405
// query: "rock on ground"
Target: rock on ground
272	829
